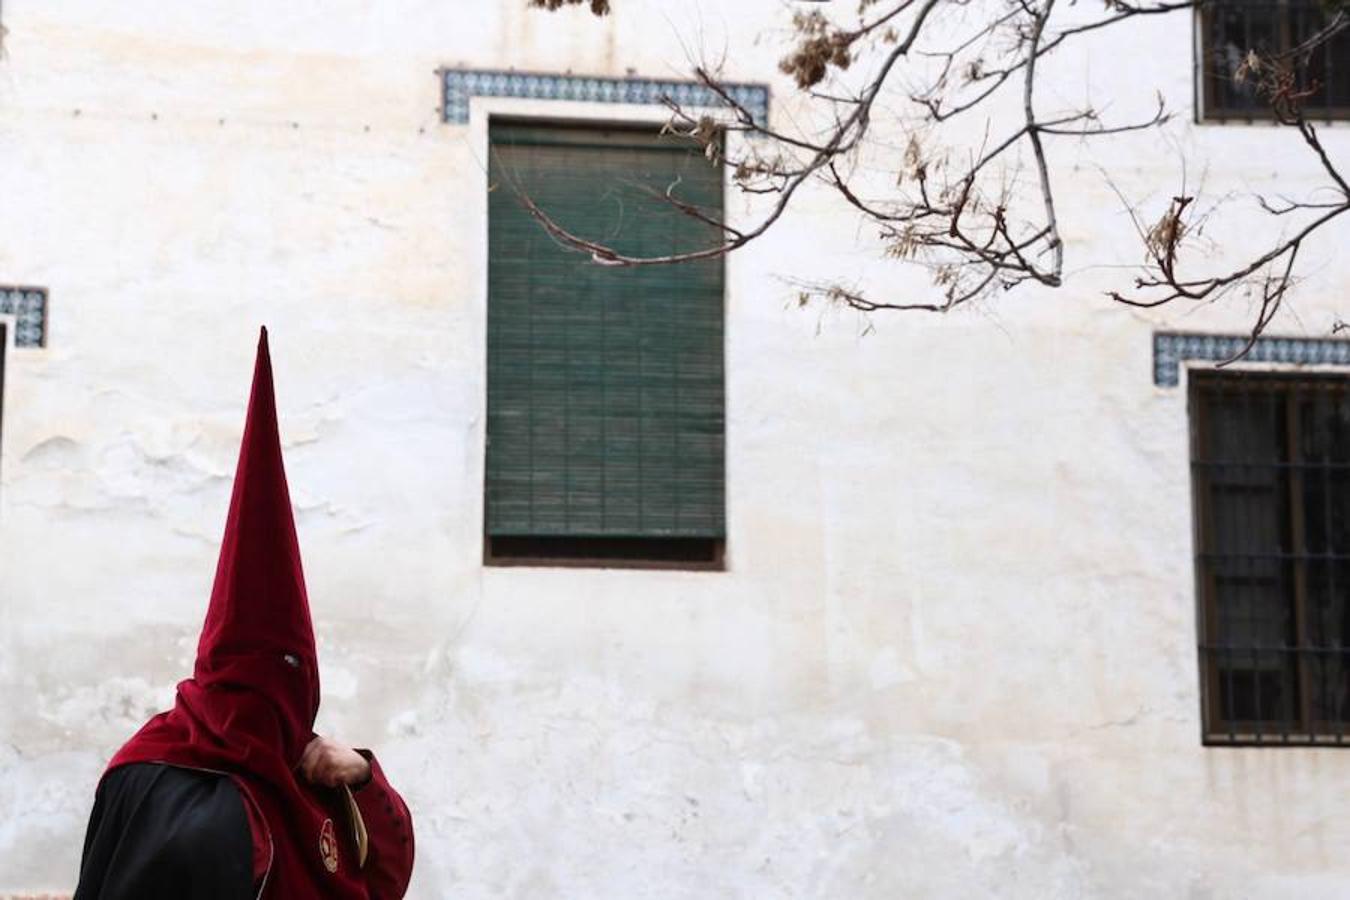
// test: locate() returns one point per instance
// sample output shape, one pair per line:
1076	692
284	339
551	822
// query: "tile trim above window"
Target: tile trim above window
28	306
458	86
1172	349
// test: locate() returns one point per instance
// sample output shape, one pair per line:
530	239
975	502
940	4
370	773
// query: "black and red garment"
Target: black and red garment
205	802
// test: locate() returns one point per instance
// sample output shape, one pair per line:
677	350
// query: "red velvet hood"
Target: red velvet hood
249	708
258	632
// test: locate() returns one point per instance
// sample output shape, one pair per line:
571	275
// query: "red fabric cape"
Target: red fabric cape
248	710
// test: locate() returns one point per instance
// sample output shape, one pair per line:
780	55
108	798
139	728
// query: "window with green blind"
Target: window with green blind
605	384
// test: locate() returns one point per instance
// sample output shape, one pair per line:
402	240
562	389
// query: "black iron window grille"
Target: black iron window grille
1231	29
1271	475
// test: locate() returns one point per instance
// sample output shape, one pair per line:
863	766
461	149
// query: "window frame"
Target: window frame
1303	730
576	555
1208	111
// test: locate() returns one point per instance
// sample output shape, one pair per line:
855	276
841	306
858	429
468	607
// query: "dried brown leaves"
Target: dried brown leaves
821	46
599	7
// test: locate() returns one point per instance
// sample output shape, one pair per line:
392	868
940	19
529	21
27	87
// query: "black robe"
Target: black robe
159	832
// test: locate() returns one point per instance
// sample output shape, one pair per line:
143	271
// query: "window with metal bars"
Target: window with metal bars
605	420
1230	29
1271	475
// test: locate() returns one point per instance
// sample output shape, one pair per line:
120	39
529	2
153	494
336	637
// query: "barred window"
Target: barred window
1271	475
1229	29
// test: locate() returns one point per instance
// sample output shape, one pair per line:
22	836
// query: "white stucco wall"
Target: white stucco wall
954	651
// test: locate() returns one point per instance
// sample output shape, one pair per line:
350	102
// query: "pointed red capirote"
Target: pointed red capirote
259	609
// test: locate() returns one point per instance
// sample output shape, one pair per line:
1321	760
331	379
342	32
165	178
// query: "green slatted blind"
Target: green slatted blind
605	385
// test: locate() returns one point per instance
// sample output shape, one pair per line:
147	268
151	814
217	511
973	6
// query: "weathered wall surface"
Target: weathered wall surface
953	655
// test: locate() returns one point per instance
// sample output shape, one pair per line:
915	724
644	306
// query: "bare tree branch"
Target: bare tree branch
981	218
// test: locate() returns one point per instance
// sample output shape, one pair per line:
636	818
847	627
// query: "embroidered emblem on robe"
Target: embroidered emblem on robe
328	845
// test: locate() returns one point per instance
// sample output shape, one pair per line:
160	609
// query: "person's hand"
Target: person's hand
331	764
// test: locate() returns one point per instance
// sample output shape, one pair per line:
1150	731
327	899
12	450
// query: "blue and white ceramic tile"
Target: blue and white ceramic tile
28	306
460	85
1171	350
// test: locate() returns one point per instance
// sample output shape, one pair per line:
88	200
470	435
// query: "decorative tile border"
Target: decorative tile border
1170	350
28	306
458	85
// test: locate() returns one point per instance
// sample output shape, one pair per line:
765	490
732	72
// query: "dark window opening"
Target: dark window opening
1271	475
605	551
1230	29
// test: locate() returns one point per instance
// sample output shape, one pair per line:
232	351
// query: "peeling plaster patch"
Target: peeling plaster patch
111	705
311	427
210	540
308	507
307	504
84	503
130	468
56	452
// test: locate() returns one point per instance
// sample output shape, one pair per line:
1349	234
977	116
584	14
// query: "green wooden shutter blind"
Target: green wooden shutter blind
605	385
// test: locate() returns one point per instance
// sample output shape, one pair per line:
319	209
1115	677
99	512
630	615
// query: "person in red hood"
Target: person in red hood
230	794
